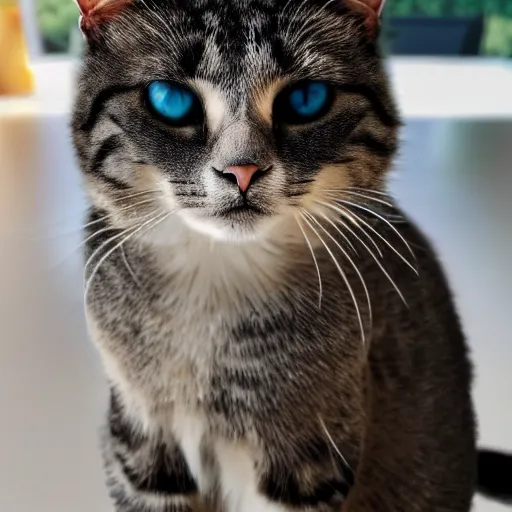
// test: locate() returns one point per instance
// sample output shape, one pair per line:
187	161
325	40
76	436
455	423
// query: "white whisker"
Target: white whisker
90	237
370	252
85	226
342	274
368	190
103	245
354	219
345	237
354	266
124	209
370	211
134	205
336	449
98	249
129	268
136	194
110	228
377	200
123	241
320	290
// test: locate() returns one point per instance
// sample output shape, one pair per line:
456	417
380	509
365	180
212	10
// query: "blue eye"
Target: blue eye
304	102
173	102
309	99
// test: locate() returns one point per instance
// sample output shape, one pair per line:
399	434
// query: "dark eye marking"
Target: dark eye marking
387	115
99	102
108	147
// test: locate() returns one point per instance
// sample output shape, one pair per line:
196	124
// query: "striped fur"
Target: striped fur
235	387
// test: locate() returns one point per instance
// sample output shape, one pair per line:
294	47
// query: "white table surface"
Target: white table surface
455	179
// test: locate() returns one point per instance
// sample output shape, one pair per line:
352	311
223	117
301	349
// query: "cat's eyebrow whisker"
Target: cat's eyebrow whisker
158	218
311	250
370	211
304	214
350	260
379	264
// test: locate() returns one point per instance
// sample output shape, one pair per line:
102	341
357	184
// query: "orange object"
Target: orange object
15	74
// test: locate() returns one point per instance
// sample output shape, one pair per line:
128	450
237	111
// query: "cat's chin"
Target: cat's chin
228	230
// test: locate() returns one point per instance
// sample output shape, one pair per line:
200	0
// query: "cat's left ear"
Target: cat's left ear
372	10
94	13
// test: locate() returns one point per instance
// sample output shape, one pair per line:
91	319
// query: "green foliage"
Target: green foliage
498	40
56	20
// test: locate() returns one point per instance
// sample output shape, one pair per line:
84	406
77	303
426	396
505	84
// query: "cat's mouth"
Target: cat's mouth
241	210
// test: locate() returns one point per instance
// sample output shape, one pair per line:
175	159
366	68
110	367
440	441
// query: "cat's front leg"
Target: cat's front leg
311	478
145	473
307	488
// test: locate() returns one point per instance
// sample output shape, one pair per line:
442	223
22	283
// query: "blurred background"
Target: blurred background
450	65
421	27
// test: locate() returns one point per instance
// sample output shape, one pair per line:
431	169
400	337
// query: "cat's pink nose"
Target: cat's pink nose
243	174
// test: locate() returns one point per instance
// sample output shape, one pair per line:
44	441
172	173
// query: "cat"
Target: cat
277	335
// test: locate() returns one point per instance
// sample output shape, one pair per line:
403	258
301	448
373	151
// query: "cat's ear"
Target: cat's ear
371	9
93	13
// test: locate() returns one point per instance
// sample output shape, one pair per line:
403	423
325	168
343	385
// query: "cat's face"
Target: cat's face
234	114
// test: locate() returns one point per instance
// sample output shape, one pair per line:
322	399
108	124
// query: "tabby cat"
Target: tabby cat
277	336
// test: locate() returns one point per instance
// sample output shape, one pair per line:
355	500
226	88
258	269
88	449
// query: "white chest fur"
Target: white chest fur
237	479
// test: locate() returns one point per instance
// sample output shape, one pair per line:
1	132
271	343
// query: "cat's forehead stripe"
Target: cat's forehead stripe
226	36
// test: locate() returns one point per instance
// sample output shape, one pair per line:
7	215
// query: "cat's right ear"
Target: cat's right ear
371	9
94	13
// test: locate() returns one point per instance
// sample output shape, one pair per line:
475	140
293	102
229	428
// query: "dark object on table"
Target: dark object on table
421	35
495	475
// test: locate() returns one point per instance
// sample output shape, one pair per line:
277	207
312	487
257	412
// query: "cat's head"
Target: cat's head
234	114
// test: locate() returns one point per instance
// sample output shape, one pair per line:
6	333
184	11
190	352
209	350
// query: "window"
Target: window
439	27
449	27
